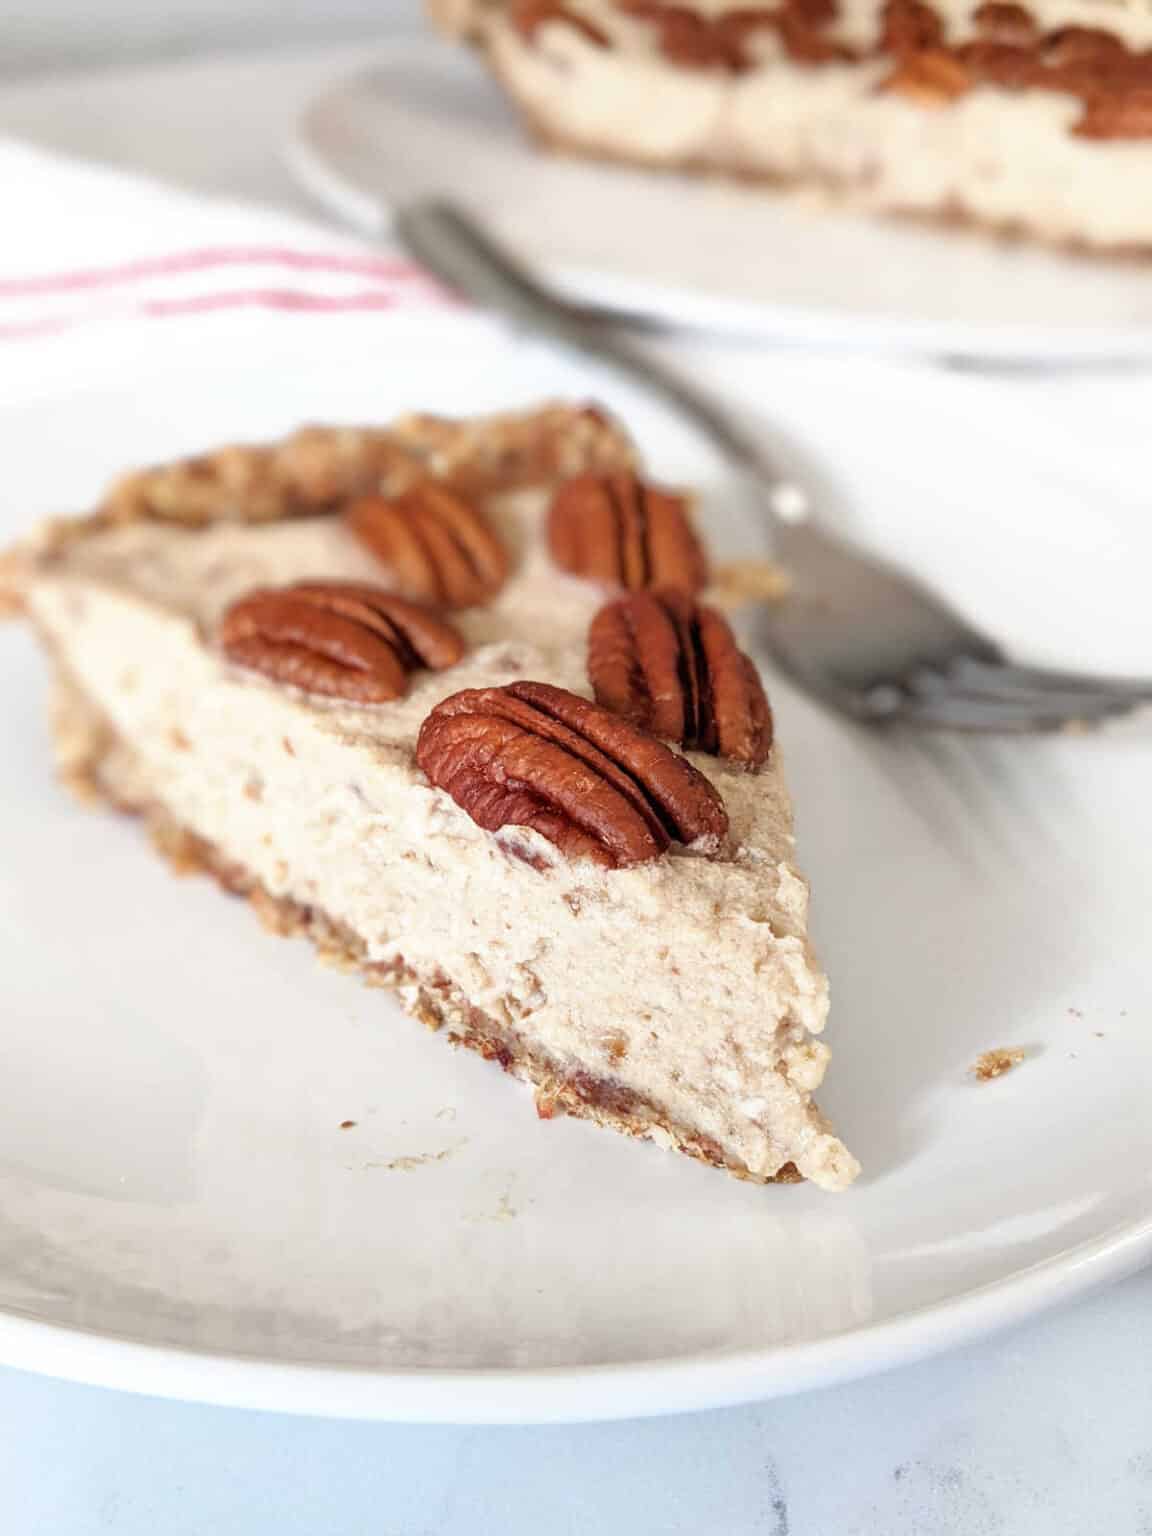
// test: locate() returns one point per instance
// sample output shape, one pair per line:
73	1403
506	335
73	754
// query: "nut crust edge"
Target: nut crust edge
485	454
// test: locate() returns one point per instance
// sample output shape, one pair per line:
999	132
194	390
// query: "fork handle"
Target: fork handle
456	249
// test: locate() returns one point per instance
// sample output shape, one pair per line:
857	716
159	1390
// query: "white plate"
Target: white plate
428	120
180	1210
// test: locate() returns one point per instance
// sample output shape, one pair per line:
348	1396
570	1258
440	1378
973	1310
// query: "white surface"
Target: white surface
205	1198
427	119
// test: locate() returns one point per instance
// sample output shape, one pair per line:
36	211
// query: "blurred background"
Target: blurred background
66	33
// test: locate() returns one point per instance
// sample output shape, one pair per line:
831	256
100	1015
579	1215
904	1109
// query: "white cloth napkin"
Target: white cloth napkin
86	246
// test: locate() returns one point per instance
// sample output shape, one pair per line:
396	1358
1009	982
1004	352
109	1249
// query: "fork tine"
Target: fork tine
1005	678
946	709
986	687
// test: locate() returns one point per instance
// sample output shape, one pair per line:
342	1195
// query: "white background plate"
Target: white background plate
428	120
179	1209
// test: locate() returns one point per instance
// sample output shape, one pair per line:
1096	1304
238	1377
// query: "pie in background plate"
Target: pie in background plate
1032	118
453	700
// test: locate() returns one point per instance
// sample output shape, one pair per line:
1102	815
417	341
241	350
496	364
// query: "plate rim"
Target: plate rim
686	310
567	1394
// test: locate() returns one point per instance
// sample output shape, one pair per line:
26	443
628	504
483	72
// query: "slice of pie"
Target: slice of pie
1027	117
450	699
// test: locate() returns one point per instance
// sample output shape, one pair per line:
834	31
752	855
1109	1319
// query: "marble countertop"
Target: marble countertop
1046	1431
1040	1432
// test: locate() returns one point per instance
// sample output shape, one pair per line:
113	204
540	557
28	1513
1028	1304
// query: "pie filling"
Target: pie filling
99	768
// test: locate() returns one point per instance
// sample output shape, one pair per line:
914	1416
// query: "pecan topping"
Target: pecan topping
674	668
686	37
1082	50
999	64
1008	50
932	78
908	26
695	40
341	639
437	545
531	755
1002	21
528	16
1113	83
617	530
1124	115
804	42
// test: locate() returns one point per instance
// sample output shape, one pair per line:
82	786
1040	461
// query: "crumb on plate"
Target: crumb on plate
995	1063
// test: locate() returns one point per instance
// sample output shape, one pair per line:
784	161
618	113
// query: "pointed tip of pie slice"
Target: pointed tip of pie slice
827	1162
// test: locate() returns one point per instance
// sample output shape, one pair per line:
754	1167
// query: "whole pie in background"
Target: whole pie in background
1033	119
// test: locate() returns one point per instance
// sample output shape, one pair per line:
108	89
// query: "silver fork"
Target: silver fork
863	636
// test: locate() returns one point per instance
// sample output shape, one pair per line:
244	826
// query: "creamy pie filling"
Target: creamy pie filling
688	980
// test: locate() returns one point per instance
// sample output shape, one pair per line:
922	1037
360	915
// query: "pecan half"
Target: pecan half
531	755
697	40
341	639
1000	64
1088	52
932	78
618	530
438	546
1003	21
528	16
804	42
674	668
686	37
1124	114
908	26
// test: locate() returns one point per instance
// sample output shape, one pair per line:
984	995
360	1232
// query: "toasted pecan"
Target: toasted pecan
689	38
1003	21
438	545
622	532
932	78
345	640
1122	114
673	667
1007	49
528	16
909	26
535	756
